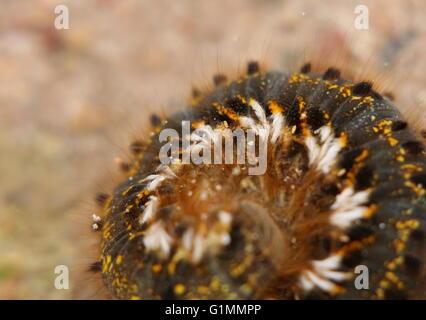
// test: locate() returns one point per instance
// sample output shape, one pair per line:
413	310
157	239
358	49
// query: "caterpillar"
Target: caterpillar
345	185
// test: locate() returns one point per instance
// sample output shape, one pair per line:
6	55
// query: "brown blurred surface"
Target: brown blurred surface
70	99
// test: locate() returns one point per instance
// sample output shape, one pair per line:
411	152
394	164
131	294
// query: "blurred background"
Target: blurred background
71	100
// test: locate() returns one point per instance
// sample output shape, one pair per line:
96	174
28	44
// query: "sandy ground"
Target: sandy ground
70	100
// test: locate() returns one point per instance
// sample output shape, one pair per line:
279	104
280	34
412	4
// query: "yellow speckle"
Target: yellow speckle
394	279
404	224
391	265
416	188
197	124
226	111
126	191
409	169
238	270
171	267
362	156
180	289
134	288
384	284
246	289
156	268
344	139
380	293
371	210
399	245
392	141
368	99
204	290
275	108
337	290
215	284
391	276
119	259
128	208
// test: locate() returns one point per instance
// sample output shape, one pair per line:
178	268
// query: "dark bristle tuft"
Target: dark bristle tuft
315	118
294	149
330	189
252	67
423	133
419	179
164	213
195	92
331	74
376	95
348	158
389	95
293	116
237	105
417	236
101	198
180	228
359	232
364	178
399	125
219	79
95	267
125	166
413	147
352	259
155	120
362	89
412	265
306	68
320	247
137	147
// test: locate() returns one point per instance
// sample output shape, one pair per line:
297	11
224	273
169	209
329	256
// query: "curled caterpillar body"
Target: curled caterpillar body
344	185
